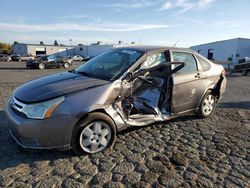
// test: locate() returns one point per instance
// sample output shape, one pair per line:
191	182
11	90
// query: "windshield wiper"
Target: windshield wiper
73	71
83	73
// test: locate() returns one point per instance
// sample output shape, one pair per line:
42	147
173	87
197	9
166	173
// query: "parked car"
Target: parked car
243	66
27	57
86	58
18	57
51	61
85	108
81	58
4	57
77	58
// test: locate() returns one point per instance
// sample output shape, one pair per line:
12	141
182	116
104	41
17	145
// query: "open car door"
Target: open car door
146	94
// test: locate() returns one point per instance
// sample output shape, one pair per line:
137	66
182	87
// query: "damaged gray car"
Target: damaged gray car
85	108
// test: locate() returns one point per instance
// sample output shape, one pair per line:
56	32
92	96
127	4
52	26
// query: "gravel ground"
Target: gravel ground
185	152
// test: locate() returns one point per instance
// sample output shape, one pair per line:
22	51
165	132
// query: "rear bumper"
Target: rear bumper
223	85
40	134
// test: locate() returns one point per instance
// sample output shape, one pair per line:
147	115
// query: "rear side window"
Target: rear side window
205	65
188	59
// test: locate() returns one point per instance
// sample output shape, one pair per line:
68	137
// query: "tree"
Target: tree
5	48
15	42
56	43
41	43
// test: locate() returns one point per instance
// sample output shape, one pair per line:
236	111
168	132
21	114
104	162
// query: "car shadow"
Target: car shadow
241	105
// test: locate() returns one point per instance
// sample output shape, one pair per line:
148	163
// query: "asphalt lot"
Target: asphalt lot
185	152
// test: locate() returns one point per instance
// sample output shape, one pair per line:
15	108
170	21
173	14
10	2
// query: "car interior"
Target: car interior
149	94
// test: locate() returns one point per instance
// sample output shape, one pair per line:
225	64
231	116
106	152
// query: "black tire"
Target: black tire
66	65
202	112
41	66
244	73
79	128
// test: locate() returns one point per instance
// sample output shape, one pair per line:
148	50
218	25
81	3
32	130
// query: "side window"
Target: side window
154	59
205	65
188	59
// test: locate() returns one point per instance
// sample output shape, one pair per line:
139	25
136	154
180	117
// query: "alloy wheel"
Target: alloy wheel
208	104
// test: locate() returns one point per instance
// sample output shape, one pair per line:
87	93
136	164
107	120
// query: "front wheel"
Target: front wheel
94	134
207	105
244	73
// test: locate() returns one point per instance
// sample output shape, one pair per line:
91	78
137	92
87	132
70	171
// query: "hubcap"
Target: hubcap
41	66
95	137
66	65
208	104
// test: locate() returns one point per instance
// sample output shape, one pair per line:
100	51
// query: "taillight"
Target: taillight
224	73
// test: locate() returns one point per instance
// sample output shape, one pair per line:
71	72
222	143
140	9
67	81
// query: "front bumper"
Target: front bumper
49	133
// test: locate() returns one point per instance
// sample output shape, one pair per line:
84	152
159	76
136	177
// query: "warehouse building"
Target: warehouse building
37	49
232	49
83	50
92	50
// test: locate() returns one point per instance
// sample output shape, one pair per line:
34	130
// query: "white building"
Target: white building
92	50
236	49
37	49
83	50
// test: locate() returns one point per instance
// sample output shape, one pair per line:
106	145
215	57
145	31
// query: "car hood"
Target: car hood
54	86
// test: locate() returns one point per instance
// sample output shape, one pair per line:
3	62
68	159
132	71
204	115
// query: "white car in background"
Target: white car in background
77	58
4	57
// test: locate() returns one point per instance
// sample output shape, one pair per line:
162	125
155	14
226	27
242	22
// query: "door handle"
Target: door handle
198	75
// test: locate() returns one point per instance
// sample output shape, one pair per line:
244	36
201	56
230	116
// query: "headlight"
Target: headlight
42	110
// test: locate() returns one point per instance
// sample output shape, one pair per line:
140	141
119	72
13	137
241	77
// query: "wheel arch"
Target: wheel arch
74	131
100	110
214	88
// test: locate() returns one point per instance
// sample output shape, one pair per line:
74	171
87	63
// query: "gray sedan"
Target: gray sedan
85	108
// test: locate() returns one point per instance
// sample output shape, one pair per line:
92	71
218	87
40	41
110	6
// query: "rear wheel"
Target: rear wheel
244	73
207	105
94	134
41	66
66	65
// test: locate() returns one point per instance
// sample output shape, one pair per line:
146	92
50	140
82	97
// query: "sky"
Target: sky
159	22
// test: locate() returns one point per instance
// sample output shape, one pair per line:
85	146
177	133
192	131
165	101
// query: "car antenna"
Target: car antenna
176	42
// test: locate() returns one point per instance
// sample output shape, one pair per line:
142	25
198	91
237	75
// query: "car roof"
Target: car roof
146	48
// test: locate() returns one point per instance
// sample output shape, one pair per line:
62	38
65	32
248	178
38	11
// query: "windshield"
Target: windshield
110	65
